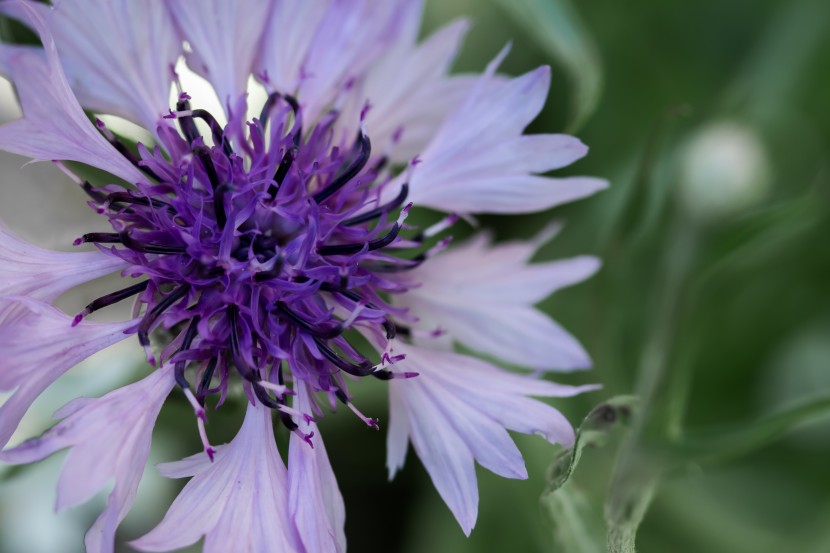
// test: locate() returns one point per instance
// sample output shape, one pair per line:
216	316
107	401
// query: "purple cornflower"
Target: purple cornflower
256	250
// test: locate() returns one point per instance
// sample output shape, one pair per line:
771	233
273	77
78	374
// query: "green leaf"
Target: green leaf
557	27
720	446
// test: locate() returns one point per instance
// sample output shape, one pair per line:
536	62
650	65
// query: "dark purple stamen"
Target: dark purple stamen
207	377
122	149
189	335
153	315
282	170
144	247
186	122
365	146
216	130
349	249
218	191
299	322
110	299
377	212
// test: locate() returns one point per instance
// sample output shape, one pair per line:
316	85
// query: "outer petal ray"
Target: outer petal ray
110	439
458	410
479	161
239	503
28	270
118	55
39	345
493	312
315	503
54	126
225	39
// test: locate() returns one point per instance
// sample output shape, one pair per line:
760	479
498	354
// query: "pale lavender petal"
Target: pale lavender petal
286	41
442	451
28	270
350	36
117	55
189	466
314	499
479	161
239	502
54	126
397	435
459	408
109	439
39	344
225	39
493	313
409	89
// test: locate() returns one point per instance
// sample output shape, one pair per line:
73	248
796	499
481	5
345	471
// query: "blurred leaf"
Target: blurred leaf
593	432
781	58
576	528
557	27
719	446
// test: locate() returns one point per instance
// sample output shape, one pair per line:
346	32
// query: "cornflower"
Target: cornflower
257	250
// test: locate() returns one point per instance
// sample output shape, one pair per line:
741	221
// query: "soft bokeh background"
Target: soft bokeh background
712	121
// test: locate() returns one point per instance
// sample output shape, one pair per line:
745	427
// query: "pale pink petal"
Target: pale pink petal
493	312
109	439
238	502
117	55
54	126
39	344
479	161
225	39
28	270
459	408
314	499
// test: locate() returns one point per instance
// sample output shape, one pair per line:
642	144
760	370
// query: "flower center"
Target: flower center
259	252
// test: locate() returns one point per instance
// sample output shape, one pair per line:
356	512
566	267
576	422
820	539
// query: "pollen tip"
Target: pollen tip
79	317
410	374
151	358
78	241
211	453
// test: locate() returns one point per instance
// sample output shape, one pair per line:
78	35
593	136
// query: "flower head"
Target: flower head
257	248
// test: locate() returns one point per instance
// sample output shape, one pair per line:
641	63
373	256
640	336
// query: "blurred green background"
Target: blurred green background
711	120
